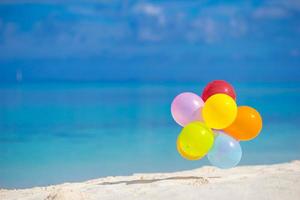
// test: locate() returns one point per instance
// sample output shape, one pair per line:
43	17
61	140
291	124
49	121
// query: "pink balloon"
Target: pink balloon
186	108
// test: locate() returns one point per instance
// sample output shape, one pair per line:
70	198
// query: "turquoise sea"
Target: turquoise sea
54	133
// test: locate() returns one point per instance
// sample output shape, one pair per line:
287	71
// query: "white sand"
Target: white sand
281	181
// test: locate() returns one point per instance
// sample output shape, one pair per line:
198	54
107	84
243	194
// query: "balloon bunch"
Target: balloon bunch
213	125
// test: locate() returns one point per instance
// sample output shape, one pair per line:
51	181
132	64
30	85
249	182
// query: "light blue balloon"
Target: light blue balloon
226	151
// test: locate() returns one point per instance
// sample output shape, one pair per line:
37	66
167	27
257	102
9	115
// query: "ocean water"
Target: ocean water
54	133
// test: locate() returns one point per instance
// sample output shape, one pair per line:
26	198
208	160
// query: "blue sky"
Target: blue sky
180	40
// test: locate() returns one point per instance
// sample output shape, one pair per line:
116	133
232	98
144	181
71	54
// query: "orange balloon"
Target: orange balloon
247	124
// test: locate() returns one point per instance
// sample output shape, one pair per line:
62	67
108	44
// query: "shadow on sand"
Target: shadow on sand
145	181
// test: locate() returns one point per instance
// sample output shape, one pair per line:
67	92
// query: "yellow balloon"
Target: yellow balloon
194	141
219	111
183	154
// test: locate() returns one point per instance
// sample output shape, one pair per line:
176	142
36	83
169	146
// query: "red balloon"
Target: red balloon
218	86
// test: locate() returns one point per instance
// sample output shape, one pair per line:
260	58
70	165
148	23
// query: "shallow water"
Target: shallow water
54	133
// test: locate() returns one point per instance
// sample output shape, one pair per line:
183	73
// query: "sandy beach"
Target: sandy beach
279	181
